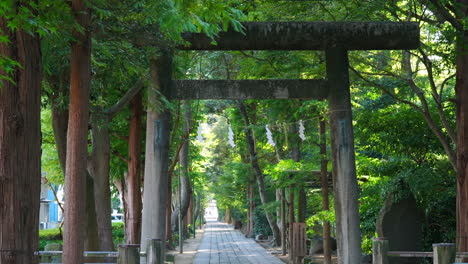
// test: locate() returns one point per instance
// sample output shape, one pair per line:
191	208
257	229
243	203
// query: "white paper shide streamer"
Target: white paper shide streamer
301	130
269	136
200	137
231	137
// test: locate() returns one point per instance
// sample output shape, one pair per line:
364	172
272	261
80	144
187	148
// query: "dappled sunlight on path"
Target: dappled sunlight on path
221	244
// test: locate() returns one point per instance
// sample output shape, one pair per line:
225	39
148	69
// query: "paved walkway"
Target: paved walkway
221	244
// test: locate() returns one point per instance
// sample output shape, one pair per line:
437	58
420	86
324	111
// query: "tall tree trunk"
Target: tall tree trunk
295	144
75	177
278	209
290	220
283	221
251	201
185	183
157	151
99	168
133	197
197	208
92	233
461	91
188	219
121	186
250	194
59	125
99	165
258	173
169	209
20	145
324	183
301	205
227	216
60	119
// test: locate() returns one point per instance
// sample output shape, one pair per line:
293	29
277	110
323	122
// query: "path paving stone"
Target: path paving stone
221	244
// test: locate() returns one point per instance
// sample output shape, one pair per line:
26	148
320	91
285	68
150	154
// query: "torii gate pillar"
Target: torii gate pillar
157	153
343	157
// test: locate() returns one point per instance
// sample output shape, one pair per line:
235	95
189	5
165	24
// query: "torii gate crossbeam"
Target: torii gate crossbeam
335	38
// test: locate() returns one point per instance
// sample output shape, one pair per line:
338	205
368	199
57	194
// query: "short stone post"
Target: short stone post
444	253
379	250
52	259
129	254
154	252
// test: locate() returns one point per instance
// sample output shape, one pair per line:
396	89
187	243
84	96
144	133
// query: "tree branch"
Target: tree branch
436	7
432	125
55	194
176	155
406	64
117	107
384	89
124	159
260	59
444	82
124	138
438	97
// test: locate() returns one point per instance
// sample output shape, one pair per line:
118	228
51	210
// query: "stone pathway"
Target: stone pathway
190	249
221	244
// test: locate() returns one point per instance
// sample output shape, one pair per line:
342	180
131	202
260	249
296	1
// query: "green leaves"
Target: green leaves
287	172
176	16
49	159
9	66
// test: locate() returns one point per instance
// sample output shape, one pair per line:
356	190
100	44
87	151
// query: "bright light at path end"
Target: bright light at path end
211	212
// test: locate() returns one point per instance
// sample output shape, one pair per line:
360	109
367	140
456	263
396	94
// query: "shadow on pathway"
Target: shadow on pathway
221	244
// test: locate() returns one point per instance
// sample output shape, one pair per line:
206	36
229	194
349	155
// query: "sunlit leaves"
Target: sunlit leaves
49	159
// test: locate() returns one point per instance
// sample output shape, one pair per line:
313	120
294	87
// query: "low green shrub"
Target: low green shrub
118	233
55	236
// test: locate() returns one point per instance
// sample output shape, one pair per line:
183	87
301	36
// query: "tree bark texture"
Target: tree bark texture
186	187
461	93
99	165
295	144
188	219
344	166
250	195
157	151
324	184
169	209
290	202
75	177
258	173
121	186
301	205
251	200
133	194
197	208
283	222
99	168
20	146
278	209
227	215
60	120
60	125
92	234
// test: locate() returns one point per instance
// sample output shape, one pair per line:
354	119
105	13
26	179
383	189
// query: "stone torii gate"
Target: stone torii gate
335	38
